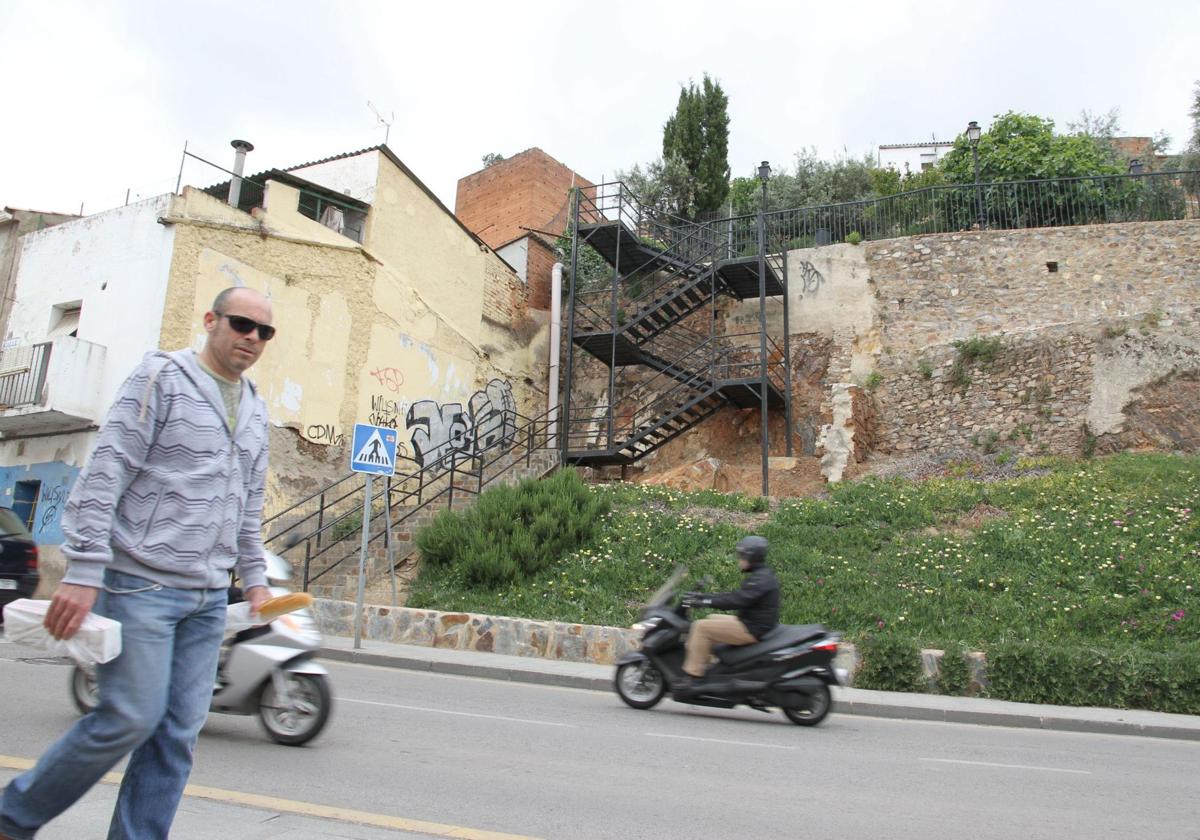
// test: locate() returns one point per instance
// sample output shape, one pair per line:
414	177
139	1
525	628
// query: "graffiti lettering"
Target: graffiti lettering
52	500
324	433
493	416
810	278
390	378
441	430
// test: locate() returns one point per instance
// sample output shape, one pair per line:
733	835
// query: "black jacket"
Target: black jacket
757	602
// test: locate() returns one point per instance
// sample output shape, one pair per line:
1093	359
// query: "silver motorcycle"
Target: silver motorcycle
266	670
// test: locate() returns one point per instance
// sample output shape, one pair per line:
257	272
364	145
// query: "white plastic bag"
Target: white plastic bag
238	617
98	639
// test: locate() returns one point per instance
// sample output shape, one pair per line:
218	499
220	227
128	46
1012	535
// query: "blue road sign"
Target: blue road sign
374	450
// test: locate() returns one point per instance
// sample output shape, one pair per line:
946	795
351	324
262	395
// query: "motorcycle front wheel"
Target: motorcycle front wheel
302	719
813	709
85	692
640	684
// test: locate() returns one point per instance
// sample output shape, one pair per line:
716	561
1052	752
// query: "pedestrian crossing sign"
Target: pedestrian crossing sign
374	450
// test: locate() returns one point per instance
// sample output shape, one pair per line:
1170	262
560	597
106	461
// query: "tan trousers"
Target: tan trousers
727	629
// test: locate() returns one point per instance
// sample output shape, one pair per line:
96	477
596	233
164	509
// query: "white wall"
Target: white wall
353	176
897	158
516	254
116	263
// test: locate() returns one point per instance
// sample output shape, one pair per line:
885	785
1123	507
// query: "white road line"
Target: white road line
1006	766
460	714
719	741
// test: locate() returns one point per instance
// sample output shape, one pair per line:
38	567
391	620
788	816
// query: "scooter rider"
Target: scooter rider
757	605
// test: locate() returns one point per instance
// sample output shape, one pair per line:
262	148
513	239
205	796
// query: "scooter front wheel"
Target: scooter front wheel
640	684
812	708
303	717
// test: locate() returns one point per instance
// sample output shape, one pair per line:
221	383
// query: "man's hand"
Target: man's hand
257	596
68	608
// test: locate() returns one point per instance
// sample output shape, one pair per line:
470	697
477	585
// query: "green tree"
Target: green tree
1022	147
696	138
491	159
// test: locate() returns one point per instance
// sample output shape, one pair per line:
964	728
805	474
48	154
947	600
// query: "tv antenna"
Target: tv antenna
387	124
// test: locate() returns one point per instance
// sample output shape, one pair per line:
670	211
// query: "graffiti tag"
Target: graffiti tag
385	412
390	378
810	278
324	433
52	500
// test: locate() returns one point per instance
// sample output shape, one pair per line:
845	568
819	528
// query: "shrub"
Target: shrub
1121	678
511	533
890	663
954	676
981	350
873	380
854	237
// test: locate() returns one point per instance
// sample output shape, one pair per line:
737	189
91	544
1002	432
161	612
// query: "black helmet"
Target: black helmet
753	549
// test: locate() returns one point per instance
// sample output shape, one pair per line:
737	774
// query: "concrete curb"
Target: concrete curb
848	701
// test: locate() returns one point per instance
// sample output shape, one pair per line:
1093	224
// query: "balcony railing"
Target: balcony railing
23	374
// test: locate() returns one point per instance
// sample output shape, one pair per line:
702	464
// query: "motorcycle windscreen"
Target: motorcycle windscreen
667	591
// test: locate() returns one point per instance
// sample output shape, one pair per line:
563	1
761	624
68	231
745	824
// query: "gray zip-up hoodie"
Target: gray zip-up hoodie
171	493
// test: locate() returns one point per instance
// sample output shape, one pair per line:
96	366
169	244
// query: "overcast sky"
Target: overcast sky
99	97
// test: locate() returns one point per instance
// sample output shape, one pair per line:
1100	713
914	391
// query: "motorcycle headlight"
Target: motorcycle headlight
647	624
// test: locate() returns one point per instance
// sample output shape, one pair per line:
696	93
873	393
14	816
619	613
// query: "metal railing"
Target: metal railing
23	375
1059	202
326	526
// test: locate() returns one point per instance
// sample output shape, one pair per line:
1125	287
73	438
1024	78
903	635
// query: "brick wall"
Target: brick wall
528	189
539	272
504	295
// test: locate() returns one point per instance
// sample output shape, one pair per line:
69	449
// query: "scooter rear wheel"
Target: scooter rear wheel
302	720
817	706
640	684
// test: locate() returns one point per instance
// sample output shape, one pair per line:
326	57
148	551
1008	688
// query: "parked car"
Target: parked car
18	560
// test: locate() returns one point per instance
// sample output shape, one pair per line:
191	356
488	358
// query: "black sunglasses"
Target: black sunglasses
245	326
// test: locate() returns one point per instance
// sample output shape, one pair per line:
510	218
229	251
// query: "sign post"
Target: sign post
373	453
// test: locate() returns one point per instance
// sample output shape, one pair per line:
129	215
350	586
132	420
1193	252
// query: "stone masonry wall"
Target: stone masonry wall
1084	320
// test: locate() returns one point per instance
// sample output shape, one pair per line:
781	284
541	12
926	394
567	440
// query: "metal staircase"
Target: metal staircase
650	317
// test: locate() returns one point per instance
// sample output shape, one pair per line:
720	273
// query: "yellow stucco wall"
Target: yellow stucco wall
364	333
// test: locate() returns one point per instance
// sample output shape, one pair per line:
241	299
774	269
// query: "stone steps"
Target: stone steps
342	583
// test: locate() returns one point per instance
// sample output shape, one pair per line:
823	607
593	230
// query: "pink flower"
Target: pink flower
1177	615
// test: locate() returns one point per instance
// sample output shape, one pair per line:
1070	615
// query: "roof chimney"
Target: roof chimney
239	161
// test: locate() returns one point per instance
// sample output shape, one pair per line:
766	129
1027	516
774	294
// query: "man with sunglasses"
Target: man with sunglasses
169	502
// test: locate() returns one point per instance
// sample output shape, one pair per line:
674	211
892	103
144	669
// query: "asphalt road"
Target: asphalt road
485	755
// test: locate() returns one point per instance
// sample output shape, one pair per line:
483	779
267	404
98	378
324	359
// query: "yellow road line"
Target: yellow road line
308	809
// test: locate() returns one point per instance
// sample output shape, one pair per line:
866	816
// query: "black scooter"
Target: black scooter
790	668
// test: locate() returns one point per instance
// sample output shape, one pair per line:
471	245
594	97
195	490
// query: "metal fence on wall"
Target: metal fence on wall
1059	202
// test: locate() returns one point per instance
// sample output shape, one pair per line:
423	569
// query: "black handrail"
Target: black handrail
427	484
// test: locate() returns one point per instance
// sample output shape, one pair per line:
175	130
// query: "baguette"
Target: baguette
272	608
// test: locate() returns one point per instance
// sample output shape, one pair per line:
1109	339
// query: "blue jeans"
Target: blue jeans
154	699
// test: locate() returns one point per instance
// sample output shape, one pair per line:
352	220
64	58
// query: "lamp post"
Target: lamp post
1136	167
764	174
973	134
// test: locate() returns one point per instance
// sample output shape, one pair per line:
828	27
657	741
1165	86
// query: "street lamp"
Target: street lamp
764	175
1136	167
973	135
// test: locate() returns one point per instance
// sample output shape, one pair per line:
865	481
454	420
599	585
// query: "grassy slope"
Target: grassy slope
1100	552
